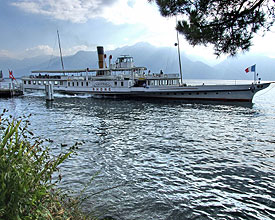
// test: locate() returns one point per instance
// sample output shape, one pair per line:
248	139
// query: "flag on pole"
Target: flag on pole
251	69
11	75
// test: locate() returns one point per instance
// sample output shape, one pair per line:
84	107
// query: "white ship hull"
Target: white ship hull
231	93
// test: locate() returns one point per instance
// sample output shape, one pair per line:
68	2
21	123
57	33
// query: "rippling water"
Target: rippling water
167	160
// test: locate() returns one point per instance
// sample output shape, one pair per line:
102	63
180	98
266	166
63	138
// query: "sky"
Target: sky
28	28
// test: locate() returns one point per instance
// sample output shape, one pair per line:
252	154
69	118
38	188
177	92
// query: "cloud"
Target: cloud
75	49
6	53
76	11
118	12
114	11
139	15
28	53
42	50
144	18
134	21
37	51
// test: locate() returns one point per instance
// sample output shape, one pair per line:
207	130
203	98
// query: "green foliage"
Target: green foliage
27	189
26	169
228	25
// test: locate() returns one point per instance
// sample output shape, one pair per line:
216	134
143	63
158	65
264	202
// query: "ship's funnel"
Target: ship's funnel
100	53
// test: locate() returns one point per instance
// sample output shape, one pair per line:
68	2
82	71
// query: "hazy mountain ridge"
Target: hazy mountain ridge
265	67
154	58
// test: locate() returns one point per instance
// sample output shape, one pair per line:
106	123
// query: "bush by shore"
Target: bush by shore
27	188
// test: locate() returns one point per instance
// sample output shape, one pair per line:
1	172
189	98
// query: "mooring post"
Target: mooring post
11	88
49	92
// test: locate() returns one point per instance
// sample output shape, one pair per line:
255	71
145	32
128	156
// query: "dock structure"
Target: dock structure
8	93
9	90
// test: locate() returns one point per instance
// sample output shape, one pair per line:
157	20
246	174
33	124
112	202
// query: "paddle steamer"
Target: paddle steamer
123	79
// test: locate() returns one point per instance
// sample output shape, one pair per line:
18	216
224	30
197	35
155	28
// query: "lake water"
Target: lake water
165	160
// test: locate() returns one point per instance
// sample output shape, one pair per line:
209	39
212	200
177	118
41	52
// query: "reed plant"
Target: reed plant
27	188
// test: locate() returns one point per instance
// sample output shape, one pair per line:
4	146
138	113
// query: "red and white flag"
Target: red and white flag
11	75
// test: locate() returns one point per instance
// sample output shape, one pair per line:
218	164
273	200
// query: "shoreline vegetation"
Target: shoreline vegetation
27	188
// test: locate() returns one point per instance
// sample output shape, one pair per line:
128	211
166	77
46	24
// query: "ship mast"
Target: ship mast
60	51
178	44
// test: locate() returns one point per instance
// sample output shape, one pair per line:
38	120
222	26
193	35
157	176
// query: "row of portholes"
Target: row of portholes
42	82
102	89
77	83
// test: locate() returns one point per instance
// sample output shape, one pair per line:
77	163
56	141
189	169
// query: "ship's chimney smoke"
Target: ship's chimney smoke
100	53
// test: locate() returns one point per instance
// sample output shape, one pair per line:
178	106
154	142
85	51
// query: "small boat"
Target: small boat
122	79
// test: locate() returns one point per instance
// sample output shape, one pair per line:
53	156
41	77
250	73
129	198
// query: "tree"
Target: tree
229	25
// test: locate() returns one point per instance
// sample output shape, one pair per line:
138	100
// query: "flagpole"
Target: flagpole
255	75
60	51
178	44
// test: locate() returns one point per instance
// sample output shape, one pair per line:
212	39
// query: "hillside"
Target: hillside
154	58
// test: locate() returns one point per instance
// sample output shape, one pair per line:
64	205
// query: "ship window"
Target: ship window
34	82
115	83
167	93
72	83
205	93
55	82
39	82
175	93
121	83
190	93
76	83
86	83
45	82
25	82
69	84
198	93
82	84
61	83
29	82
217	93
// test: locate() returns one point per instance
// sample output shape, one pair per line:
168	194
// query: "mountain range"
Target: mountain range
154	58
